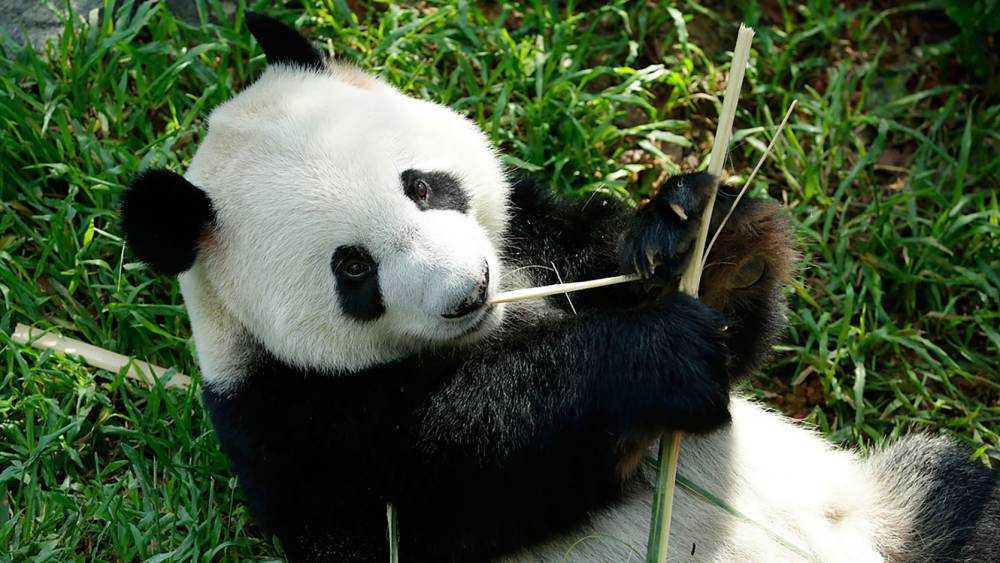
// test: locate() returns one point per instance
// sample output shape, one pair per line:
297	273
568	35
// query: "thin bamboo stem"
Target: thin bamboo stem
659	531
97	357
556	289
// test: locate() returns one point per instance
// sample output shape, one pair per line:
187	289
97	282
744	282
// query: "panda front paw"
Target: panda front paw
710	380
658	238
689	389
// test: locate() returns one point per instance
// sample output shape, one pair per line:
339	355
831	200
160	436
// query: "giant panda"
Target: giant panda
338	243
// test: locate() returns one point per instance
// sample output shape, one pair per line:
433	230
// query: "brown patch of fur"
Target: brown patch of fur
754	256
207	238
835	514
632	451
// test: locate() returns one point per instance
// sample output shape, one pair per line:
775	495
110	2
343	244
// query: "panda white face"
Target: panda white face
353	224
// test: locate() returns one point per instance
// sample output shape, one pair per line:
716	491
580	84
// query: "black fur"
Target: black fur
601	236
164	217
360	299
282	44
959	515
443	191
658	240
483	450
579	237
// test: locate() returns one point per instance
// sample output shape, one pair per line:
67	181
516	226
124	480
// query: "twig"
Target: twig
746	185
98	357
659	532
556	289
560	280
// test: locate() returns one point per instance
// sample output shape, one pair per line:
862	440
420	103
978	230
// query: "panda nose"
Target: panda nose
475	299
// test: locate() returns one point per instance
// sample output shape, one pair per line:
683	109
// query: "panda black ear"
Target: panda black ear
281	43
164	217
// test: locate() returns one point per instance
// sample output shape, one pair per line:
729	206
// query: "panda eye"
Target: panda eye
355	274
421	189
352	263
356	268
434	190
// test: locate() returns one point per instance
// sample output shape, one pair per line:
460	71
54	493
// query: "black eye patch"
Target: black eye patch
434	190
357	283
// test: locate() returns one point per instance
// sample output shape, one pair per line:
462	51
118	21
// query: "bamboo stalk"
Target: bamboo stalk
691	277
746	185
98	357
555	289
666	473
659	532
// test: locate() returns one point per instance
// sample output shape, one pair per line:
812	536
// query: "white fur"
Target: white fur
783	479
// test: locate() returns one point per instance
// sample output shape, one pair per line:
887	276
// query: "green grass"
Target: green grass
889	169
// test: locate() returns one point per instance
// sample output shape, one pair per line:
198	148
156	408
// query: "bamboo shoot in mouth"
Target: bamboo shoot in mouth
559	288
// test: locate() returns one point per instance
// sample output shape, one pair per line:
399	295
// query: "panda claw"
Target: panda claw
652	260
685	194
676	208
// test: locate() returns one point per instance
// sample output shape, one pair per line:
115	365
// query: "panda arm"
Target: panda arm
532	428
746	270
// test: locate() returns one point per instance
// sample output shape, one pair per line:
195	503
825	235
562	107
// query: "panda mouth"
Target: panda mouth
483	316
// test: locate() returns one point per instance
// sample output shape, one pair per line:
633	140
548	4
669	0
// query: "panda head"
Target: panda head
332	219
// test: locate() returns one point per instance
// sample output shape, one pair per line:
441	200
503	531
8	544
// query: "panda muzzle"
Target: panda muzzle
475	299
